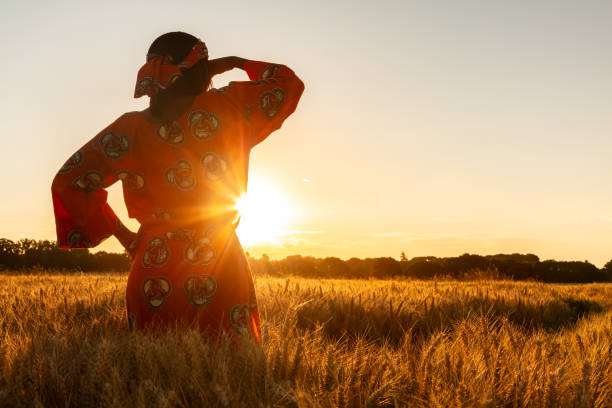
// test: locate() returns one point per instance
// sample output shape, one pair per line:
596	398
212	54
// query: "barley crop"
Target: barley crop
327	343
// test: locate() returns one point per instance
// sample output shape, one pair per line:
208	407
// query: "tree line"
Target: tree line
29	253
466	266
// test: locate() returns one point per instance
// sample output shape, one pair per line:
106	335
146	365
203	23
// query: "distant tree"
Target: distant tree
386	267
456	266
336	267
517	270
9	254
425	259
561	271
514	258
300	266
404	263
358	268
607	270
425	269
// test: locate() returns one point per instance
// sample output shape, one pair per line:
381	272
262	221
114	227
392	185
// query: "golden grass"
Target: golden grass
327	343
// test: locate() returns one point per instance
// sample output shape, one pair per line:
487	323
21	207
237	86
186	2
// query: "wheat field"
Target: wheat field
327	343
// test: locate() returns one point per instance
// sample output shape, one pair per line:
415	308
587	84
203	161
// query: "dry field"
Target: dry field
327	343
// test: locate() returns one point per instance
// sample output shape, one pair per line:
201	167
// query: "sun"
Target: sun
264	211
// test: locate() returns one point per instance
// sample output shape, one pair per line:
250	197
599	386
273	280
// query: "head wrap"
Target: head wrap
159	71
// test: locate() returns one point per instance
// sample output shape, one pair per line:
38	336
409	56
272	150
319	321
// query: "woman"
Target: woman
183	163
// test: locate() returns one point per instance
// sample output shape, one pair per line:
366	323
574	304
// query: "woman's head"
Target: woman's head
176	71
177	45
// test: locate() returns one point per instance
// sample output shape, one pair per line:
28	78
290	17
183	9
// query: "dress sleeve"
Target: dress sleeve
271	95
83	218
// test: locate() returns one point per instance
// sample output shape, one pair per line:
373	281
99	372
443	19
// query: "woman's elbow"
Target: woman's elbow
298	88
299	85
60	185
57	185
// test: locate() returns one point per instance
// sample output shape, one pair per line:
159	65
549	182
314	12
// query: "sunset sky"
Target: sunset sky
430	127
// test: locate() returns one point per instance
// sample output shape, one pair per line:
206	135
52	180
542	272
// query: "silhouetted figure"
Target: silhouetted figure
183	163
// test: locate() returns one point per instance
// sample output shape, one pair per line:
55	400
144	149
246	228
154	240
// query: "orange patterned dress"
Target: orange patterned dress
181	182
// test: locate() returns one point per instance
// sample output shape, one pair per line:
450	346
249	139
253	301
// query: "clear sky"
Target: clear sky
430	127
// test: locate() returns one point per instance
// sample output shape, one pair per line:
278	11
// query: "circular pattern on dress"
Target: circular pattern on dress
132	181
200	289
180	234
270	102
214	166
269	71
76	239
89	181
156	254
114	145
203	124
161	214
239	318
146	86
181	175
156	291
200	252
72	163
171	133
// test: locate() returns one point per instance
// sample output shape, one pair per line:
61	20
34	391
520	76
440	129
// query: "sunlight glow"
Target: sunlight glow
264	211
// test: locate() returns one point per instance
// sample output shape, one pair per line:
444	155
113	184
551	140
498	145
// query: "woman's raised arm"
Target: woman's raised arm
271	95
